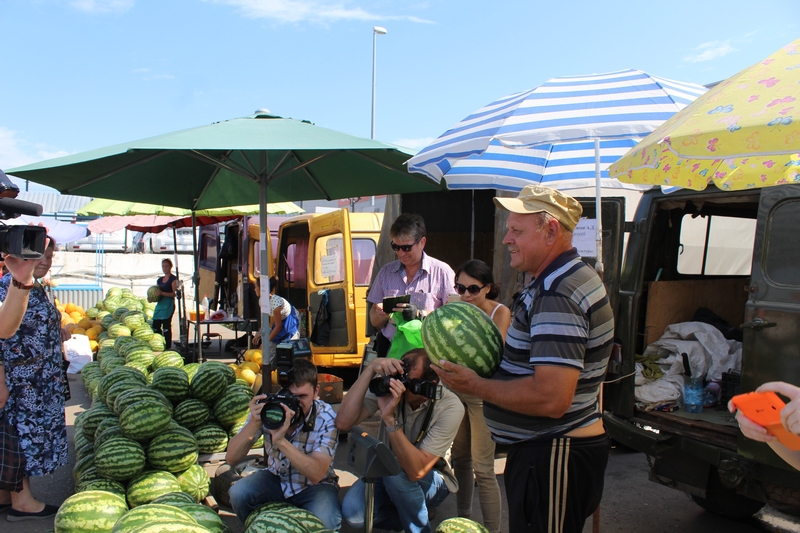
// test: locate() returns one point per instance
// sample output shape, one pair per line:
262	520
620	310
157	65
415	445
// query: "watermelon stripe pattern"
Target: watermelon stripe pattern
119	458
145	419
463	334
91	510
148	486
173	451
460	525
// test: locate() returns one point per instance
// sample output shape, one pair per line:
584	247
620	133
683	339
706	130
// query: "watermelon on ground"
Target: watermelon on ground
144	419
270	521
90	510
461	333
460	525
195	481
148	486
119	458
152	513
173	451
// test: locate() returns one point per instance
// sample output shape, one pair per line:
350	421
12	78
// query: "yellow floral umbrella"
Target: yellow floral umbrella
743	133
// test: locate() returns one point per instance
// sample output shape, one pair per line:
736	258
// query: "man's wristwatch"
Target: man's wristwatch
395	427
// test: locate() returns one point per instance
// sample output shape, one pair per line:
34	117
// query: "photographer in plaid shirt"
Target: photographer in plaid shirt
299	458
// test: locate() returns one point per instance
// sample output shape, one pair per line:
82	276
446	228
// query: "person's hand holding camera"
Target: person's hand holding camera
279	434
255	408
384	366
388	402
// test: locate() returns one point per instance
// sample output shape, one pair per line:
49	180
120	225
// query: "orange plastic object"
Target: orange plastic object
193	315
764	408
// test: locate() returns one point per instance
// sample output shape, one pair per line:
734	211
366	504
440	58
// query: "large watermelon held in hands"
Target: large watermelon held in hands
153	294
463	334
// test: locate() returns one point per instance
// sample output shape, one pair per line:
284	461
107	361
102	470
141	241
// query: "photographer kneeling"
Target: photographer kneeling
299	452
421	420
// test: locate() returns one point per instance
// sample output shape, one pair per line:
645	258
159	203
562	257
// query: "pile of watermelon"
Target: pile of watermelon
150	419
99	510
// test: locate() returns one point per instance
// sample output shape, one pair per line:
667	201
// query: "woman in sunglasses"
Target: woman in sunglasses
473	447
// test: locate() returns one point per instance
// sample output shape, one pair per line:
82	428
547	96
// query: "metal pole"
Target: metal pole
369	505
263	234
599	208
375	31
196	279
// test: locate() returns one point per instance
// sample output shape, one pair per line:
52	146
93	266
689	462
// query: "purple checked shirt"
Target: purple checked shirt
428	289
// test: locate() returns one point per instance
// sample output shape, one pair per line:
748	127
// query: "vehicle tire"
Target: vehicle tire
726	502
783	499
227	475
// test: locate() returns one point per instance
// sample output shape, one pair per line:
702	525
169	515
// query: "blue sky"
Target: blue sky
81	74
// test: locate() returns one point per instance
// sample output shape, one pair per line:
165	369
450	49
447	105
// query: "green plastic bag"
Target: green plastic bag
407	337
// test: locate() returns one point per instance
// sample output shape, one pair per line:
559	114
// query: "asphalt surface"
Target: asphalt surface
630	502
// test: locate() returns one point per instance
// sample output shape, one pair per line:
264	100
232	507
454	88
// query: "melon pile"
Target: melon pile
250	368
151	417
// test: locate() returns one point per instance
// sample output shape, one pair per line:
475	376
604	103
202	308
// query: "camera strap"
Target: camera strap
425	423
311	421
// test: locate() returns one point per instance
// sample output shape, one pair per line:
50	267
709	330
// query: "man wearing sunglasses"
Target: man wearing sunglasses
425	279
543	399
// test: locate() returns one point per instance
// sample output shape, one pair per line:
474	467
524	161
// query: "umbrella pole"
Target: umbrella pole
263	234
182	327
196	279
598	266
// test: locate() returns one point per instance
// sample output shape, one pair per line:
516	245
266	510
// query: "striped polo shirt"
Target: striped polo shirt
562	318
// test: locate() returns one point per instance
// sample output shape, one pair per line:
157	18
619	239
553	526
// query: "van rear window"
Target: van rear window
716	245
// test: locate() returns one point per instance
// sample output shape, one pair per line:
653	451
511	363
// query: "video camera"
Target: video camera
273	415
379	386
23	241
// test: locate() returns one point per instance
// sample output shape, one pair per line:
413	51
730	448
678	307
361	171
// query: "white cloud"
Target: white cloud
414	144
319	11
709	51
102	6
15	152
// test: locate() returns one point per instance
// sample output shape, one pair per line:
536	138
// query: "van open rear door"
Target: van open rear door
330	286
772	315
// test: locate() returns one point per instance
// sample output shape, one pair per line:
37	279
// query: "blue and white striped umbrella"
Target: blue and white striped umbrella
547	135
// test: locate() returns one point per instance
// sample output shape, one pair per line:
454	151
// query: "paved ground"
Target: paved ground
630	502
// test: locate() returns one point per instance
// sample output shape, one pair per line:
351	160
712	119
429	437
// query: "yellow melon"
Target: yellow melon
251	366
69	308
78	331
93	345
248	375
257	359
80	310
61	308
92	333
85	323
75	315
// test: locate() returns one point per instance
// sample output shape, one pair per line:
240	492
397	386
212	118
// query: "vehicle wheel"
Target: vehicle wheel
783	499
726	502
227	475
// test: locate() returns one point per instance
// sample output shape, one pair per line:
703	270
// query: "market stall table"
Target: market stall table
234	321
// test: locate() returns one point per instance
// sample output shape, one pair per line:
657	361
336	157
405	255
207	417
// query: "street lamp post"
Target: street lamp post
377	30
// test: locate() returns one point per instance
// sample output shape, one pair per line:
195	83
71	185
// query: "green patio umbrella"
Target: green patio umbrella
104	207
235	162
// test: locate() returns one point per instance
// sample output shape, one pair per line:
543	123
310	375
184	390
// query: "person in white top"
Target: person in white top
473	447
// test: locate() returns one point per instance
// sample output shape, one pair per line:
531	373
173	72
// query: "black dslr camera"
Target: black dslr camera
26	242
379	386
273	415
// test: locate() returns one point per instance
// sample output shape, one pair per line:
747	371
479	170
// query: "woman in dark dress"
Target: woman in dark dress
32	392
165	308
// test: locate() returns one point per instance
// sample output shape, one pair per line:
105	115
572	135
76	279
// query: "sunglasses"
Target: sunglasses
472	289
405	247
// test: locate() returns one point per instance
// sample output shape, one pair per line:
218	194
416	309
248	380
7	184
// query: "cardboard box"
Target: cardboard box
331	388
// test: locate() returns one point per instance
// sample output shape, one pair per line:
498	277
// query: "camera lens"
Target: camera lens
379	386
273	415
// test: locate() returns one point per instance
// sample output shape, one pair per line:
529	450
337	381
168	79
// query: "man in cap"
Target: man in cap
543	399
